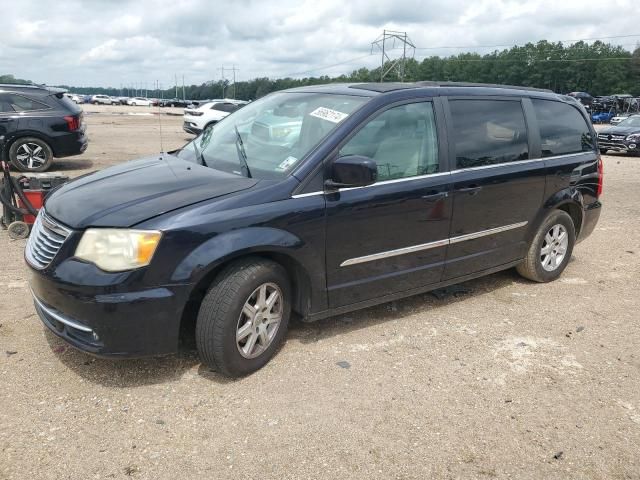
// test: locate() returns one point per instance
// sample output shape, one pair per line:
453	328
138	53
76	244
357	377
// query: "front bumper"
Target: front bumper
618	145
107	324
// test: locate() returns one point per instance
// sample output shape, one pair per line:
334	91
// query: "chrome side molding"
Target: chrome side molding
427	246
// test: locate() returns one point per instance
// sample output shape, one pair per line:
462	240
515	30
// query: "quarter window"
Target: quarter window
402	141
488	132
563	129
23	104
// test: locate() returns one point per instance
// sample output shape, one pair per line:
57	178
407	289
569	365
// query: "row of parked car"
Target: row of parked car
132	101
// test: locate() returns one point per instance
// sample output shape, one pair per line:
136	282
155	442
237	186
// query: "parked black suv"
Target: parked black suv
388	190
623	137
37	124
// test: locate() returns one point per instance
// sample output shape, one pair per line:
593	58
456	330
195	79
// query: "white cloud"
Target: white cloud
108	43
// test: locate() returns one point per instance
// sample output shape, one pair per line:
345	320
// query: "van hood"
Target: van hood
127	194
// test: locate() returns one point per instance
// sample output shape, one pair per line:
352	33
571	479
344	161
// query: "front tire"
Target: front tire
244	317
30	154
550	249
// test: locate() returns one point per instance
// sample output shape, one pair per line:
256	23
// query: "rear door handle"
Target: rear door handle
471	190
435	196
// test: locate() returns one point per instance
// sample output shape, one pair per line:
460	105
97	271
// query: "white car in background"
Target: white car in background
197	119
73	97
139	101
103	100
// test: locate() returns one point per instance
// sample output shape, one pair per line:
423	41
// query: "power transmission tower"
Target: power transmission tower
387	42
233	69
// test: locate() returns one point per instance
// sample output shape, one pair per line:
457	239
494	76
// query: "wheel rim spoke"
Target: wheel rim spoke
244	331
259	320
554	247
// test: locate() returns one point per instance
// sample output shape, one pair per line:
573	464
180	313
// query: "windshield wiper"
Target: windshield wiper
242	154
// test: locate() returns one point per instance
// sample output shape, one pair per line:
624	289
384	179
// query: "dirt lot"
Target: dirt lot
509	380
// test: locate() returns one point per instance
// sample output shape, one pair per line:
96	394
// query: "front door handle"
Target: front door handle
471	189
435	196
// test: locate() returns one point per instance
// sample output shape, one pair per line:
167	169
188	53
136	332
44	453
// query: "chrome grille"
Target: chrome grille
47	236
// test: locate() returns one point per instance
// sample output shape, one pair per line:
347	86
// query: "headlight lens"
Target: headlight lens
115	250
635	137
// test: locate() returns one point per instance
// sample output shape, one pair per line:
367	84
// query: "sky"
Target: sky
118	43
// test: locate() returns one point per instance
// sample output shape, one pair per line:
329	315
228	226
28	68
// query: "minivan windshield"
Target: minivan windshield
267	138
630	122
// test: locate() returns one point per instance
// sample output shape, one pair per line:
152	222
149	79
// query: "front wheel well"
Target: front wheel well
300	288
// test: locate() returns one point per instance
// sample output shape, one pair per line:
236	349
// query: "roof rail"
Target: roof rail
430	83
22	85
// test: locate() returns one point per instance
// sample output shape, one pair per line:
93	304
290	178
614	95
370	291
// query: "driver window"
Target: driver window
402	141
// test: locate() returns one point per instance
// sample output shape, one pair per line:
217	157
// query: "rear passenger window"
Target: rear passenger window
488	132
402	141
563	129
23	104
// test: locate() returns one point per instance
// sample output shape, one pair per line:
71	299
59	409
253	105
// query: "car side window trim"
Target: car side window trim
440	134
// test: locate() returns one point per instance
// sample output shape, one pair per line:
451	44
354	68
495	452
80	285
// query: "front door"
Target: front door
390	236
497	188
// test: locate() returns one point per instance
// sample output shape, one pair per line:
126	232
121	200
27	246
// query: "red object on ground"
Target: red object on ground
36	198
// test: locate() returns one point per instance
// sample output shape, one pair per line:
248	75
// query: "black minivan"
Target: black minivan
313	202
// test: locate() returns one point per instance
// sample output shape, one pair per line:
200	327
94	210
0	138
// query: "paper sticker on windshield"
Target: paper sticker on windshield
328	114
286	163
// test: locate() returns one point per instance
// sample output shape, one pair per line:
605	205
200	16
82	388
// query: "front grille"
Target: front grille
47	236
604	136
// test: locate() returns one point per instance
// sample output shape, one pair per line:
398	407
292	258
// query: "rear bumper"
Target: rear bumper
590	219
69	144
97	321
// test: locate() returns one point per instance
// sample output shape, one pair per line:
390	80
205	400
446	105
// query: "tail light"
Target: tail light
73	122
600	177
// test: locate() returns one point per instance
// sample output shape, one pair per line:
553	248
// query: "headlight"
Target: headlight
115	250
635	137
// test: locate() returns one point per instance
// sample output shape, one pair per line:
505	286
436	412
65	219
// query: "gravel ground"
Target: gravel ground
504	379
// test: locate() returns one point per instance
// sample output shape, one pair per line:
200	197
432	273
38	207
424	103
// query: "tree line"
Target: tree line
598	68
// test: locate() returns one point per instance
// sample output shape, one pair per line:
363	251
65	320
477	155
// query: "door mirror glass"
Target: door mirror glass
352	171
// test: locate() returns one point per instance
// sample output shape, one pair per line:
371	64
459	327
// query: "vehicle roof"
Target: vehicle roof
37	89
434	88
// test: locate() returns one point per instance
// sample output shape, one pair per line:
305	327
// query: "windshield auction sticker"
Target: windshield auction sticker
324	113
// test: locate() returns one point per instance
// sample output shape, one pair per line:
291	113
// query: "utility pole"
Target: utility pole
176	83
183	97
398	64
223	79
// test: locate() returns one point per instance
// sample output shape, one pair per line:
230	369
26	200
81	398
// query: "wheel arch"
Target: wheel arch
281	249
569	200
24	134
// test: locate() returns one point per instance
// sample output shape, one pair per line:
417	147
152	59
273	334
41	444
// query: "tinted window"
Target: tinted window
225	107
402	141
23	104
5	106
562	128
487	132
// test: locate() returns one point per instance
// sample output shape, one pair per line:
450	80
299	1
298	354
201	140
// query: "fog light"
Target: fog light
632	145
95	336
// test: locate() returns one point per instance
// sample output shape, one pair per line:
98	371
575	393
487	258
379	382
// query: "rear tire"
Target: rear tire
550	249
238	330
30	154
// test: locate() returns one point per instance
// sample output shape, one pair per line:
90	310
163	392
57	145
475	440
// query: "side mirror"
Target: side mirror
352	171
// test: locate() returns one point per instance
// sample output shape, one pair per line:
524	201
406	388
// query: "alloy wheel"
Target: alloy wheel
31	155
554	247
259	320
